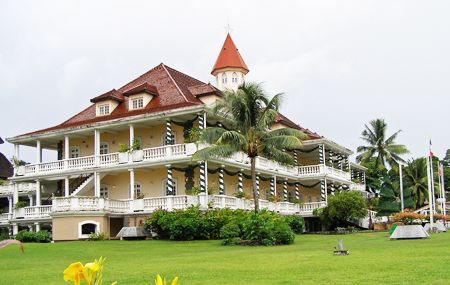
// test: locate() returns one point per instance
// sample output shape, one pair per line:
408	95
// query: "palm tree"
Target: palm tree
416	180
248	114
385	150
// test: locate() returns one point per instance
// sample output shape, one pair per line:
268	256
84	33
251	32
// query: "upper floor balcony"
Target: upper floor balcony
170	154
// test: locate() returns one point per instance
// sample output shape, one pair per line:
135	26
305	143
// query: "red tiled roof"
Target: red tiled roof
145	87
171	86
229	56
284	120
110	95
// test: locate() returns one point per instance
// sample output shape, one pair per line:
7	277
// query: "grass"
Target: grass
373	259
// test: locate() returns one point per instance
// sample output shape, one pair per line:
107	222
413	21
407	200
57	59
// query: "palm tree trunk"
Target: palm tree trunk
254	190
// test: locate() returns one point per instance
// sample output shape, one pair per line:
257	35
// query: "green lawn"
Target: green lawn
374	259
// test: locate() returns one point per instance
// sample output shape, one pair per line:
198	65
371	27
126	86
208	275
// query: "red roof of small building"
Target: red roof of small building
229	57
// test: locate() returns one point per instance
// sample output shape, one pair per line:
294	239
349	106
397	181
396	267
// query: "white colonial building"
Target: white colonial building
97	185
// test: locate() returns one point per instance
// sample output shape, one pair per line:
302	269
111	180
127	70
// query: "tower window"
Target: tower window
234	78
224	78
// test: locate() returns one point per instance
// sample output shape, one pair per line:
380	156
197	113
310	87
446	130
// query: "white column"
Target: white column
15	227
96	184
66	151
16	194
38	152
30	197
16	151
96	146
66	187
10	205
38	192
131	135
131	184
37	226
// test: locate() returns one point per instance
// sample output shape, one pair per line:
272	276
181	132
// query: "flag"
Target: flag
431	153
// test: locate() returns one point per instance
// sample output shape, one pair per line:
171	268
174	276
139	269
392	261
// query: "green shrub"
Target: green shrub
27	236
43	236
296	223
20	204
230	231
234	227
96	236
4	234
283	234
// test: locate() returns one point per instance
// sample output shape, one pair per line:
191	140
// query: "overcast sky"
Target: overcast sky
339	63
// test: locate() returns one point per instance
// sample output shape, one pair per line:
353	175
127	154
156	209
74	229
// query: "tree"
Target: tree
388	203
416	181
384	150
342	209
248	114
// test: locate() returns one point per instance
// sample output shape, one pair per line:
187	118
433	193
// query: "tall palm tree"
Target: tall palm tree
416	180
385	150
248	114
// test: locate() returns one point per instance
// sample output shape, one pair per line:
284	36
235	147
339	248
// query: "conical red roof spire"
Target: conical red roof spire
229	57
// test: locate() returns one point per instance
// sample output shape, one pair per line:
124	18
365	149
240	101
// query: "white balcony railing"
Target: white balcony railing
178	151
148	205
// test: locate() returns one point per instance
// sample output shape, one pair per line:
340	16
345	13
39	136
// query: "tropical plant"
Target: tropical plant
416	181
388	202
20	204
380	146
248	114
342	209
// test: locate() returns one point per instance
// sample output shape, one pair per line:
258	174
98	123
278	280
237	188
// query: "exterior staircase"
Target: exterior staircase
83	184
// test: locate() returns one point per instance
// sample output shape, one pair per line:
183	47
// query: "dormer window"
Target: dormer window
103	109
137	103
140	96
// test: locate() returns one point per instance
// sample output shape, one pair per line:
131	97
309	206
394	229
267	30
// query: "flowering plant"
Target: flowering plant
408	217
91	273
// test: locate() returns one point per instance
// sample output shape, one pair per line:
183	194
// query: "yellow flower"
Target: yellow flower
91	269
75	272
158	280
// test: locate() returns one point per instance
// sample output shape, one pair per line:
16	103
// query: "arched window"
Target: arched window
137	190
85	228
164	186
74	152
104	191
104	148
224	78
234	77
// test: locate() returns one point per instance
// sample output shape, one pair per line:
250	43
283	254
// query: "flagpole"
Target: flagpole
444	199
401	186
430	196
432	184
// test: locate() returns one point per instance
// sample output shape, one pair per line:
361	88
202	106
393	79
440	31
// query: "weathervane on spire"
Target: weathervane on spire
228	28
